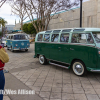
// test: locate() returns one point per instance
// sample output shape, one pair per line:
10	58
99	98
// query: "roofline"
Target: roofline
56	13
86	29
16	33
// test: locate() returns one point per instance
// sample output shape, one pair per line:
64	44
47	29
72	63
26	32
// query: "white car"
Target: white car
4	41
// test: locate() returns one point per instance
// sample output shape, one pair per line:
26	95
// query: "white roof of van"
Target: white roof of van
17	34
77	30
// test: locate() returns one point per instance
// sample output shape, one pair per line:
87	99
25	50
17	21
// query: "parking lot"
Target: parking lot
52	82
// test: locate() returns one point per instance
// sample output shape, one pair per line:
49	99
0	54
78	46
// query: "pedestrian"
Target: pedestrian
3	59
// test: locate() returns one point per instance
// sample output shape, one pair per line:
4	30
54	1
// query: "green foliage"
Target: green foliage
3	22
25	28
29	28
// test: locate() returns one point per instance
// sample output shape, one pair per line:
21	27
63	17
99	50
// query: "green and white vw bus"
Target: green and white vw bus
77	48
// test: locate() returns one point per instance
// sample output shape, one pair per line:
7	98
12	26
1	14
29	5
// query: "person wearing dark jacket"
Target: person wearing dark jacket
2	78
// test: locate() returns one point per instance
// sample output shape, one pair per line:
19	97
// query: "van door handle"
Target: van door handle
59	47
71	49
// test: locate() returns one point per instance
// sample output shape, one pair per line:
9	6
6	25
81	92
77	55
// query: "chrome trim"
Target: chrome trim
58	65
95	70
58	61
19	49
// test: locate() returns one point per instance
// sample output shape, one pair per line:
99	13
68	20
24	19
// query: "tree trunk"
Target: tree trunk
21	25
2	31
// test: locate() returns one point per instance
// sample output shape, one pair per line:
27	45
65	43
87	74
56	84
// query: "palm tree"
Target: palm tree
3	22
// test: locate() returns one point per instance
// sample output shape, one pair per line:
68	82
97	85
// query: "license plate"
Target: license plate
22	48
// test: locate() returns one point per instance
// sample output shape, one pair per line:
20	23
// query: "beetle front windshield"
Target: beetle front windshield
96	36
19	37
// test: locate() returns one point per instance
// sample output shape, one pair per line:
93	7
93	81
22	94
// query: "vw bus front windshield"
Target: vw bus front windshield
96	36
19	37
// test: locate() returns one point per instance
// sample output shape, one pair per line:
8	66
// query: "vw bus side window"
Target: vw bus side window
11	37
54	37
40	37
89	38
64	37
46	37
96	36
78	38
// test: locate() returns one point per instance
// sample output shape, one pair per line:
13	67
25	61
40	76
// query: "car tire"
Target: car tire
12	50
79	68
42	60
7	48
26	50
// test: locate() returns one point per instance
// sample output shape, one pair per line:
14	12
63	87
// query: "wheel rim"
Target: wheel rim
41	59
78	68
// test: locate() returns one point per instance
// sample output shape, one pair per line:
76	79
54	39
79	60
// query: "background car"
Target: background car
4	41
32	39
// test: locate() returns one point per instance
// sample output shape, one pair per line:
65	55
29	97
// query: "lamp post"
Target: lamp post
80	13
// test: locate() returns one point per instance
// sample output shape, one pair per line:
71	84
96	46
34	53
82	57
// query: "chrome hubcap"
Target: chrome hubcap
41	59
78	68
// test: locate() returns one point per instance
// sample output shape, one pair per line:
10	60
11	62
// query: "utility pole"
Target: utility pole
80	13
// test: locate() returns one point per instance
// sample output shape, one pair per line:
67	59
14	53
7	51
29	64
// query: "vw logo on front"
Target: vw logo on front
22	43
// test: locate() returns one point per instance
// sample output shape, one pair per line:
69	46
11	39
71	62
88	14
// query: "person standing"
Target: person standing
4	58
2	78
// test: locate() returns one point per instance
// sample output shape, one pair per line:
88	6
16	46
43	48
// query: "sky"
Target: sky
5	12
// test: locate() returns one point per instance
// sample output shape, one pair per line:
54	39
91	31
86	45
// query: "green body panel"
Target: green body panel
85	53
67	52
42	48
54	52
64	53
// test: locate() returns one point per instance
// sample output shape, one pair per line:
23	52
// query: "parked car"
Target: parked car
3	40
32	39
77	48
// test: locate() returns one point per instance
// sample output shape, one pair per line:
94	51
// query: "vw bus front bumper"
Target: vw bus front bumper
20	48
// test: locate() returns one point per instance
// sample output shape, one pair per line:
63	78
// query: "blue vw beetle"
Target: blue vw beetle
18	41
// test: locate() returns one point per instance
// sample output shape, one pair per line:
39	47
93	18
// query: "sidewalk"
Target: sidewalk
14	84
6	98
